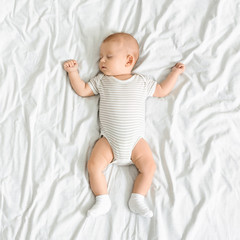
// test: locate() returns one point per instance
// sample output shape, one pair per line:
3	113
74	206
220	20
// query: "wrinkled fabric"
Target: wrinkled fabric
47	131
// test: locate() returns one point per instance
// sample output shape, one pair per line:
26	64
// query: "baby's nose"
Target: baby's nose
102	59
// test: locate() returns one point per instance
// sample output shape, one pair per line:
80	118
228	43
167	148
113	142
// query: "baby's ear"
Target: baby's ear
129	60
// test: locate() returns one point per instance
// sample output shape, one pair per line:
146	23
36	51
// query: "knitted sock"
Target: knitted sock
101	206
137	205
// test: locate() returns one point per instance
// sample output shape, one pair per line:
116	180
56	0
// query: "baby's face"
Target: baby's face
113	59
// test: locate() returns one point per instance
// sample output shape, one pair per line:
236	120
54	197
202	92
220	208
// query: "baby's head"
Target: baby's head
118	54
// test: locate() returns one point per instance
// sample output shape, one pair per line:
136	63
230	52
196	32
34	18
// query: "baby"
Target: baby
122	118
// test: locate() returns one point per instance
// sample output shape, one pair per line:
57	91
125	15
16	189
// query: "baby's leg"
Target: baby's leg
100	157
143	160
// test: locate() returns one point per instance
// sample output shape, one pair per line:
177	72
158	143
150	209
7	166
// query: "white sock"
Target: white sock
137	205
101	206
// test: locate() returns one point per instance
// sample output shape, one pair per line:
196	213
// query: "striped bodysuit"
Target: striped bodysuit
122	111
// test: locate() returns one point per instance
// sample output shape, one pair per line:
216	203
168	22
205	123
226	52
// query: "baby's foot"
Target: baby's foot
137	205
101	206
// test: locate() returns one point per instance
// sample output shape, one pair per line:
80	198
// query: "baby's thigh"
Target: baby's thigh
142	156
101	155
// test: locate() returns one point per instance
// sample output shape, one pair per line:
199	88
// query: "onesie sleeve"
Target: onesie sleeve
94	83
150	86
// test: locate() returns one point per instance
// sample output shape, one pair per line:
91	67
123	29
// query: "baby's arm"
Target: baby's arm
166	86
79	86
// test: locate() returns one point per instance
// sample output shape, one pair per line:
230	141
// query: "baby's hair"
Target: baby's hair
119	35
130	41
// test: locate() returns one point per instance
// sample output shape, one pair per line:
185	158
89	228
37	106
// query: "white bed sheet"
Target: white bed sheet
47	132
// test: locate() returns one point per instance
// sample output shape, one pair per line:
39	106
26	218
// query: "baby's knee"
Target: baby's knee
153	166
96	166
92	167
150	167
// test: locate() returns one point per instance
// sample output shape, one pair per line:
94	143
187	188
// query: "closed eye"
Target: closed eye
108	57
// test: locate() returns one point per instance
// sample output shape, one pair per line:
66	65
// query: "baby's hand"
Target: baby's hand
179	67
70	66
